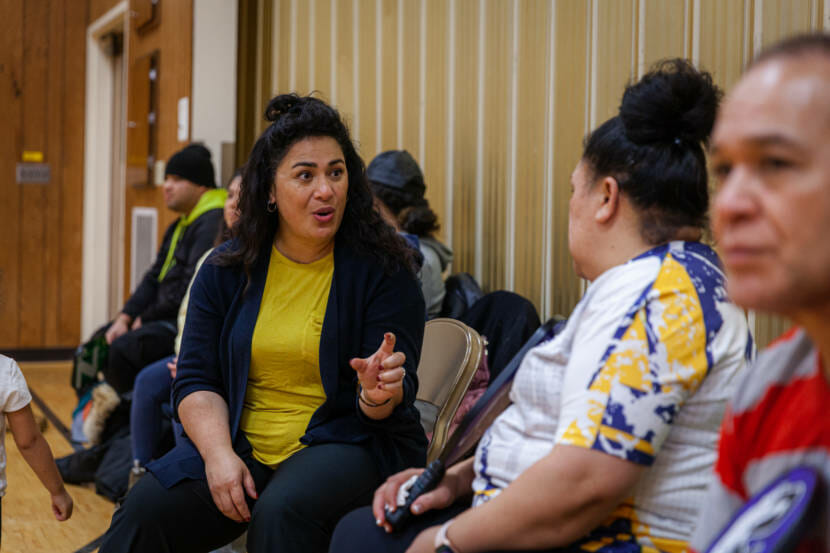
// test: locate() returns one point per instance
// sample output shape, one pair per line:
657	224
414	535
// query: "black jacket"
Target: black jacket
364	302
159	301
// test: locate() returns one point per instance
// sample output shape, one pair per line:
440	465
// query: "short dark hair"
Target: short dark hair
797	46
654	147
293	118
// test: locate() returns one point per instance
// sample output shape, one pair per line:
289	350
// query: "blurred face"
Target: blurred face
180	194
310	190
580	220
771	157
231	212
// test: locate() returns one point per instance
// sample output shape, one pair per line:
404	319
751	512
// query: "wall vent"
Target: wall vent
143	243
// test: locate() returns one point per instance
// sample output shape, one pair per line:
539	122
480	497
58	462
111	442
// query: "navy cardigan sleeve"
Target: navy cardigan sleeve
396	306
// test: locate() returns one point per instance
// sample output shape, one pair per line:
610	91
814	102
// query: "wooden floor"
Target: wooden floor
28	525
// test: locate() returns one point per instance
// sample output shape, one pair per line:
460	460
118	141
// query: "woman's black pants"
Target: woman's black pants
298	507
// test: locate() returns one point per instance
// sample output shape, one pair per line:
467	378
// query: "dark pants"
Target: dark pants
151	413
136	349
298	507
358	533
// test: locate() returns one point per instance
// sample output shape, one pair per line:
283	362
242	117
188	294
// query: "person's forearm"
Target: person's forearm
382	411
204	416
38	456
547	506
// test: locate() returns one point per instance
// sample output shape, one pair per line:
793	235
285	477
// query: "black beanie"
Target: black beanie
192	163
398	170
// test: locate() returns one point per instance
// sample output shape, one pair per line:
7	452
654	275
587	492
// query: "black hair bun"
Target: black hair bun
672	103
279	105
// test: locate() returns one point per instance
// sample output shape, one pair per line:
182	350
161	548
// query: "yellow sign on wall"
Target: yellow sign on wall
31	156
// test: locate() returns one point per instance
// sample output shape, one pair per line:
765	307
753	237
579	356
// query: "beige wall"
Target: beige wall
493	97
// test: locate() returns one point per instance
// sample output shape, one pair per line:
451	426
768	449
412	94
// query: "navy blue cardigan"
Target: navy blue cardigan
364	302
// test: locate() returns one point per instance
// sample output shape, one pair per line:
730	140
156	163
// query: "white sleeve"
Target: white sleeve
14	394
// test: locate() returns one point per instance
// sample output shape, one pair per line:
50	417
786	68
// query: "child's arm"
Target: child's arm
35	450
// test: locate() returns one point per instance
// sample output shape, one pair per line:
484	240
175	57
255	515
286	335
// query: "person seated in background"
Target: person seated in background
612	428
152	385
398	185
296	379
145	329
771	156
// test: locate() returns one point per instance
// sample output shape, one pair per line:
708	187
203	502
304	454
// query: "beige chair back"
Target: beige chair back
450	356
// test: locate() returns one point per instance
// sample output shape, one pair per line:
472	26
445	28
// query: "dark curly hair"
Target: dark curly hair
654	148
413	213
294	118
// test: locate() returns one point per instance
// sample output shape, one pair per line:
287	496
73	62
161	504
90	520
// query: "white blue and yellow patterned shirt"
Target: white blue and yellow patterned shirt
642	371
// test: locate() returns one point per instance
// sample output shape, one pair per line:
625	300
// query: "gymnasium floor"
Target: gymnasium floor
28	525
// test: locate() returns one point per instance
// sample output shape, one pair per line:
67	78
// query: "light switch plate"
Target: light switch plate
183	130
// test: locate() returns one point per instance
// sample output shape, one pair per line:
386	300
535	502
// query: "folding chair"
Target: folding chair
495	400
450	356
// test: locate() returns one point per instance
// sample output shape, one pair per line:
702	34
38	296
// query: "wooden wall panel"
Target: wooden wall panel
52	203
434	157
570	117
365	60
528	153
282	61
72	175
613	55
304	35
42	58
780	18
494	97
664	31
722	48
496	129
386	80
11	113
464	179
345	67
321	40
410	80
33	196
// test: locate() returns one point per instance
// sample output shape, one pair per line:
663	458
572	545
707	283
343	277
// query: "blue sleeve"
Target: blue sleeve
397	306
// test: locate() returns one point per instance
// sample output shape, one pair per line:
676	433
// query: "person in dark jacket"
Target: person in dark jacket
296	378
145	329
398	185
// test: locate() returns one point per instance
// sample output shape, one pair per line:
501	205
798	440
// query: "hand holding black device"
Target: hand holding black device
472	427
425	482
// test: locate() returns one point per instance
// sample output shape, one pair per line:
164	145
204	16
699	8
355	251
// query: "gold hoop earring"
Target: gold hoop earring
271	207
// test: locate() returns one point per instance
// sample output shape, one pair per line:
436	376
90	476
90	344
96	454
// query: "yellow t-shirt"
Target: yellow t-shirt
284	386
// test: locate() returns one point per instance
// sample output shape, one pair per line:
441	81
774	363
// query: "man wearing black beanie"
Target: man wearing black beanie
145	329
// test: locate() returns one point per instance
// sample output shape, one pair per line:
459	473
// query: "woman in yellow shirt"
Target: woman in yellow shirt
296	378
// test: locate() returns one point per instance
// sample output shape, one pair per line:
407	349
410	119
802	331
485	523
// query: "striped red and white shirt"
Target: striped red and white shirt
778	419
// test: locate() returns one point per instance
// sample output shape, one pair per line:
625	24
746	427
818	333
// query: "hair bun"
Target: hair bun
280	105
672	103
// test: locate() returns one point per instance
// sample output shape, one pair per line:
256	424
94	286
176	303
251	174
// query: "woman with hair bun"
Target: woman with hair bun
611	434
296	377
398	185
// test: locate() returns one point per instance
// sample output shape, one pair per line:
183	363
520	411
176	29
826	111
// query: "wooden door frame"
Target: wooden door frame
103	220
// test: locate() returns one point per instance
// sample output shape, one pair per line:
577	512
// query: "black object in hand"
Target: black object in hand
427	481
